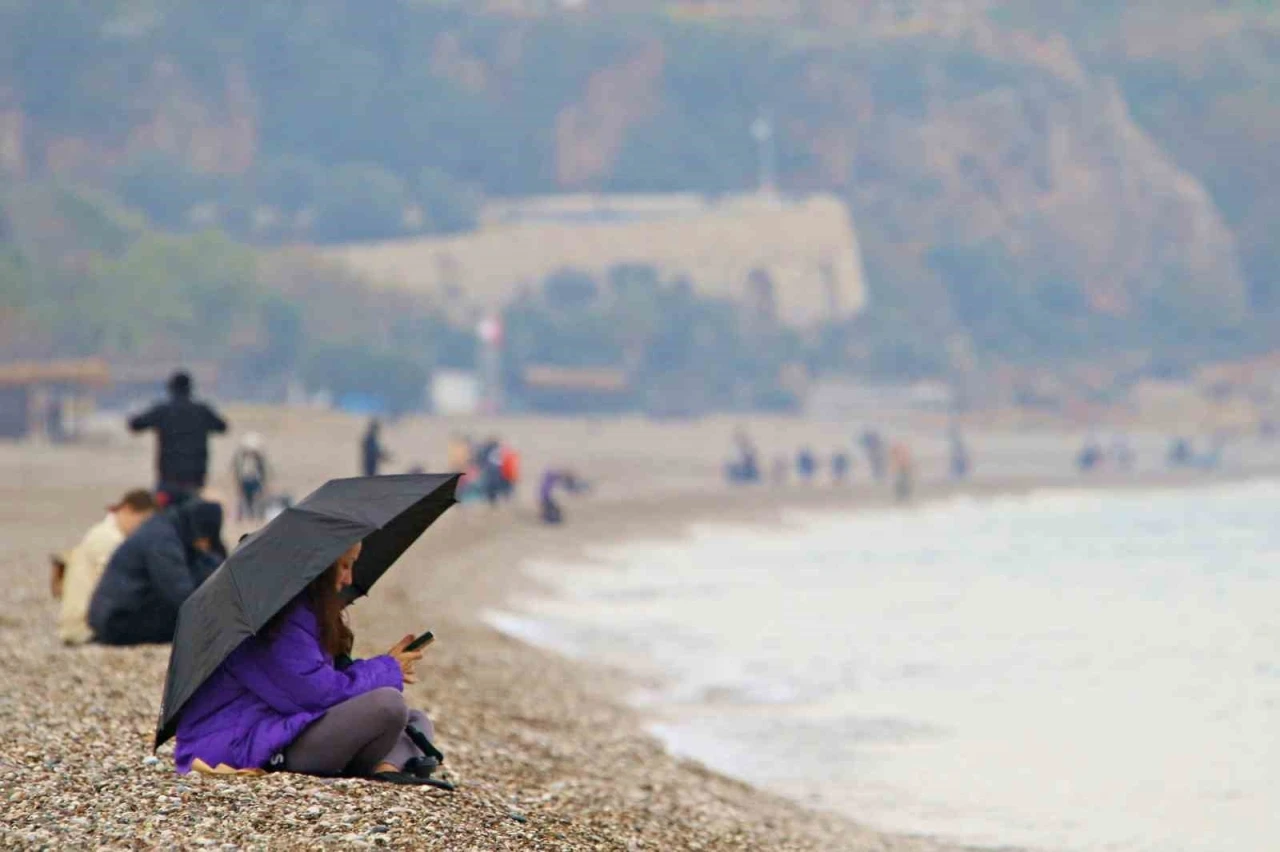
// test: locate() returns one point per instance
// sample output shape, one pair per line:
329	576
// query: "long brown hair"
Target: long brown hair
321	595
326	603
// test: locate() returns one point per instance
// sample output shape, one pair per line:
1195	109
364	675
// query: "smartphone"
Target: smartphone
421	642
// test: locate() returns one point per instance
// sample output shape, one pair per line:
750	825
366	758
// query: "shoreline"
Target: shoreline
668	518
545	750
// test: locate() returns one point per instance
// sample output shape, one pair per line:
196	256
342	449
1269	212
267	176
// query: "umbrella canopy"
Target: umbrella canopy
271	567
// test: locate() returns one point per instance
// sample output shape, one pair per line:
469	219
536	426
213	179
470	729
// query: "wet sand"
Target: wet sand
545	754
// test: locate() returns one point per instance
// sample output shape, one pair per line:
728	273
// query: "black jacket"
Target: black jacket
182	428
371	453
152	573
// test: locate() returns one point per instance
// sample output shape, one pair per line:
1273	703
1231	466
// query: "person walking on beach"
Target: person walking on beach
249	465
280	701
182	426
372	453
87	562
153	572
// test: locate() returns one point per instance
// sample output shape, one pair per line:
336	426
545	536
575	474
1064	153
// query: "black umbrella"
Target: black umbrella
272	566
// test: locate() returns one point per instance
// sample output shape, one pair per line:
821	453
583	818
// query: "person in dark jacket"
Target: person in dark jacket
153	572
182	426
372	453
960	461
873	446
840	465
806	464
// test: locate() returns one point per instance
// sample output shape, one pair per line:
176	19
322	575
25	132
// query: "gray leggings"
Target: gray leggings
353	737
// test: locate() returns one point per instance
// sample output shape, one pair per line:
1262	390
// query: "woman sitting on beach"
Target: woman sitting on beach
279	702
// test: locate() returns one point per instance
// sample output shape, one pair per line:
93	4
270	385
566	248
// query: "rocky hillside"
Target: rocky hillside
1028	180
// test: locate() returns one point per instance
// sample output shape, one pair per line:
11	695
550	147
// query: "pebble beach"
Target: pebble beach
543	752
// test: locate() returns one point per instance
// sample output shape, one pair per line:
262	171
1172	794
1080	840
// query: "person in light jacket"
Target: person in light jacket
80	572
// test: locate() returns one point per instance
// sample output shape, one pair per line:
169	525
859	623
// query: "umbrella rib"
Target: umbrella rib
235	585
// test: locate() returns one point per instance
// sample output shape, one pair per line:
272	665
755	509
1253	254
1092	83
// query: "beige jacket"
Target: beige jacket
84	569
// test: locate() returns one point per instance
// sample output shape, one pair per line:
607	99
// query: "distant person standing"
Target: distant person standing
746	467
960	462
902	464
182	426
873	446
458	453
806	464
1122	453
1091	455
372	453
509	471
250	468
839	467
1180	452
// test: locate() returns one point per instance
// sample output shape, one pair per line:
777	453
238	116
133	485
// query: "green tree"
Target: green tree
192	290
448	205
360	202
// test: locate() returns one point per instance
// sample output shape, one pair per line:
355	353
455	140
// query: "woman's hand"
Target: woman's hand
406	659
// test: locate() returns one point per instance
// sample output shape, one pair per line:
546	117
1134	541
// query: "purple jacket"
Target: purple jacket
269	689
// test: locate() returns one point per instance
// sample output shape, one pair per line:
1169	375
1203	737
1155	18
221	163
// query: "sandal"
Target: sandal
423	767
424	745
405	778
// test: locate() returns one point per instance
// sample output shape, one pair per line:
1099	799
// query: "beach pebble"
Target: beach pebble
552	762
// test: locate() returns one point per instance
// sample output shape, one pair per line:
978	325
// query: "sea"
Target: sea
1058	670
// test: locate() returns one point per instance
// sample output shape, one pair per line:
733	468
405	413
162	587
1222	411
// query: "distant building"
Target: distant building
806	251
48	397
455	392
574	389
